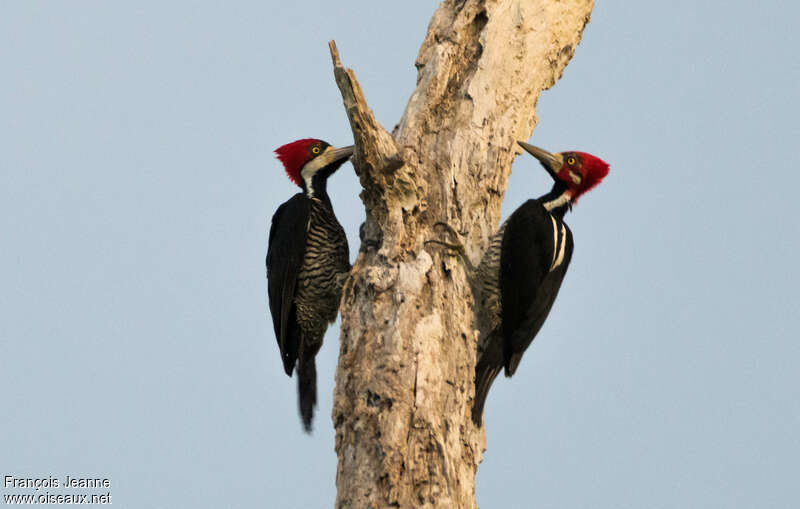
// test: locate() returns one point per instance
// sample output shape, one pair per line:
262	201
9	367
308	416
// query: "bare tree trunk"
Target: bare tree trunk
404	384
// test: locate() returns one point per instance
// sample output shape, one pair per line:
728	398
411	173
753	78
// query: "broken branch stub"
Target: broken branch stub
376	154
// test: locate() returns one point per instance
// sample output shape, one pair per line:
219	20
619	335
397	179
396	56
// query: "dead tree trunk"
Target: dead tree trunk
404	384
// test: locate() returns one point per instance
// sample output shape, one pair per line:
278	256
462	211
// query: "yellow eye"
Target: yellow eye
315	150
571	161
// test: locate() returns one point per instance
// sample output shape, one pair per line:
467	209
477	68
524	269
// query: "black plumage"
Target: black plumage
529	273
307	265
521	272
284	258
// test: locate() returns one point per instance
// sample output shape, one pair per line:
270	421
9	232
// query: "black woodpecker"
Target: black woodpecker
521	271
308	262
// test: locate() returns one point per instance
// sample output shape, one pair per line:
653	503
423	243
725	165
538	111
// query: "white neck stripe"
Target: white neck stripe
562	200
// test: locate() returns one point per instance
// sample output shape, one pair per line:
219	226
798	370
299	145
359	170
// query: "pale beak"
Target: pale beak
551	162
337	154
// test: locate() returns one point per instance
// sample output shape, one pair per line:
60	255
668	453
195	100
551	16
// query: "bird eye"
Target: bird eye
315	150
571	161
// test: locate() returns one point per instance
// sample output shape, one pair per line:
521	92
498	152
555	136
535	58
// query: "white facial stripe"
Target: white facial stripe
314	165
558	202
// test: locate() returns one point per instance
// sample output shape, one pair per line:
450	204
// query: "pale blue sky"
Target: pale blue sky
136	184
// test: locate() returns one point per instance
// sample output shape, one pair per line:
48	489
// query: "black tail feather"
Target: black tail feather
484	376
307	390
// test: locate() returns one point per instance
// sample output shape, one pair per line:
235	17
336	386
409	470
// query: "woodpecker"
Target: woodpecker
521	270
308	261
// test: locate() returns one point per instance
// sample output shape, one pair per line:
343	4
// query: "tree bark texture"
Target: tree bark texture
404	383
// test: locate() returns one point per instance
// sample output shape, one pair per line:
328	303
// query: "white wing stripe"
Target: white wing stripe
561	248
555	242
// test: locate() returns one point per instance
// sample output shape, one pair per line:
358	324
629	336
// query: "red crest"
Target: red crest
294	156
593	170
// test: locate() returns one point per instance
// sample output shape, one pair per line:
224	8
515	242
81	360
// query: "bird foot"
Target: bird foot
456	248
341	279
449	229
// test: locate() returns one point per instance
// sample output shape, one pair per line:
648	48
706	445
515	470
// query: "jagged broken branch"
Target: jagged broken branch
376	152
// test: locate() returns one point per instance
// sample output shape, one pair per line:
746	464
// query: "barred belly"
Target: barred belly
490	307
323	272
489	285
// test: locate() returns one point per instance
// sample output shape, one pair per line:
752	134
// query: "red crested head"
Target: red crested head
297	154
589	170
578	171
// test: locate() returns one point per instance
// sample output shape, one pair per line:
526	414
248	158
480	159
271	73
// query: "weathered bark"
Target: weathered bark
404	384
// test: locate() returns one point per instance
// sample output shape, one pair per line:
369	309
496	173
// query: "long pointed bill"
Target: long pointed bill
551	162
340	153
328	156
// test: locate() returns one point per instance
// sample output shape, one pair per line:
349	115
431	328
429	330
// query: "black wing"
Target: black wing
287	246
527	285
